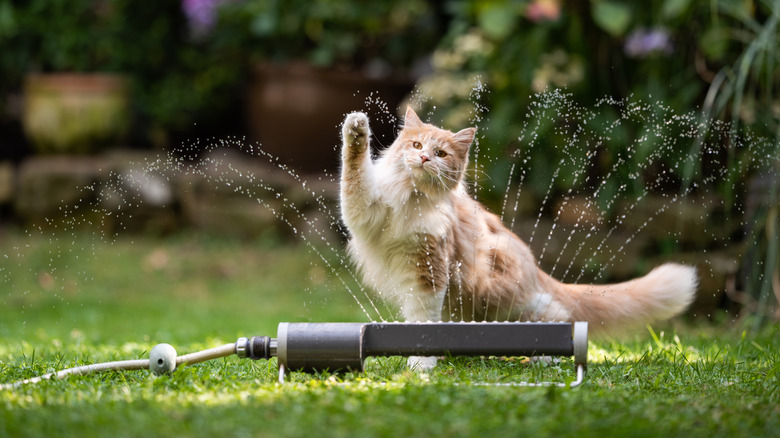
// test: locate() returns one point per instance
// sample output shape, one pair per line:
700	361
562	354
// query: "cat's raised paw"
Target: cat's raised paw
421	363
355	130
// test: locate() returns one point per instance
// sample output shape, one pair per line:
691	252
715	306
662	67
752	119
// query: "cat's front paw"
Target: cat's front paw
421	363
355	131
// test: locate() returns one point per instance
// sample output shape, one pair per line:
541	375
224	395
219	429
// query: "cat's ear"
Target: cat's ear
464	137
411	120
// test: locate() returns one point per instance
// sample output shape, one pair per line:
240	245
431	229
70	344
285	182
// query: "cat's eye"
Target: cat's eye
440	153
417	145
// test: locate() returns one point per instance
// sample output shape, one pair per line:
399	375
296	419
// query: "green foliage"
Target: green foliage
634	53
88	35
614	17
327	32
743	46
744	91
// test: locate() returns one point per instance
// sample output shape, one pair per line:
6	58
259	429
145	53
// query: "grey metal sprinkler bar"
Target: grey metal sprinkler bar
338	346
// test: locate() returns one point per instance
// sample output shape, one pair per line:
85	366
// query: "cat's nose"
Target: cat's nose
424	158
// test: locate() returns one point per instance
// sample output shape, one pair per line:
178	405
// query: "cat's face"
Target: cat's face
434	158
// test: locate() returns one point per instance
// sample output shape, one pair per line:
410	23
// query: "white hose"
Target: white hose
139	364
202	356
127	365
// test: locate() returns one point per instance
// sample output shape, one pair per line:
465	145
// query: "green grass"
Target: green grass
76	300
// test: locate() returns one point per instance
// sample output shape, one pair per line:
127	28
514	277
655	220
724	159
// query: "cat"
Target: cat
424	244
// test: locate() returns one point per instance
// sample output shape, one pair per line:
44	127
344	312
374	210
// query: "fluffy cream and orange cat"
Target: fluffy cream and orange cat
424	244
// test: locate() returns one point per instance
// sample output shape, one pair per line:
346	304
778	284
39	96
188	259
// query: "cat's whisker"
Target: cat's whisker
375	140
441	178
472	174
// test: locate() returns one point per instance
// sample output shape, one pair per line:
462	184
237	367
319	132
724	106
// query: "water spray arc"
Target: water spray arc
338	346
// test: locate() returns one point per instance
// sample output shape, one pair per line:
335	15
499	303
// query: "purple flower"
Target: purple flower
201	15
643	43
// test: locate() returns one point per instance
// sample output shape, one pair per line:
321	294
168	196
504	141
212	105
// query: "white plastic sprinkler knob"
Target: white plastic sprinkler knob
162	359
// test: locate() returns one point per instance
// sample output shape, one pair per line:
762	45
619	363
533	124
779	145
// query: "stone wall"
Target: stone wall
129	191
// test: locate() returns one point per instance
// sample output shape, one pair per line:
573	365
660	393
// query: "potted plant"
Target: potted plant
75	99
312	61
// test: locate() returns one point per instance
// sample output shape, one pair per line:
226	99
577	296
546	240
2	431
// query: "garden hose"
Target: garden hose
162	360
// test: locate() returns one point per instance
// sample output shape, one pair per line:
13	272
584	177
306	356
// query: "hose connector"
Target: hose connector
241	344
257	347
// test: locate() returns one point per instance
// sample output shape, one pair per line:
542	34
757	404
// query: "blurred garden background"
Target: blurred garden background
169	173
640	131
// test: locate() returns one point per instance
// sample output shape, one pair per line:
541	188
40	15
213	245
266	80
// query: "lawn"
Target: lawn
73	299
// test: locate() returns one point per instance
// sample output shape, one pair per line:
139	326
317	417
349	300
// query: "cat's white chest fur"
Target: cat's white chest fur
414	218
388	247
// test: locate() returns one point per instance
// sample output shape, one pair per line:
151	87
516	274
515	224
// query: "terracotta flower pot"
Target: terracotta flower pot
295	110
75	113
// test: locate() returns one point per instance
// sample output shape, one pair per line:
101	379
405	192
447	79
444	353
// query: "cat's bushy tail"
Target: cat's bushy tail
661	294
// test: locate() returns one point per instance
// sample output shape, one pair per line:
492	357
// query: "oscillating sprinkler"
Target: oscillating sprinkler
312	347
